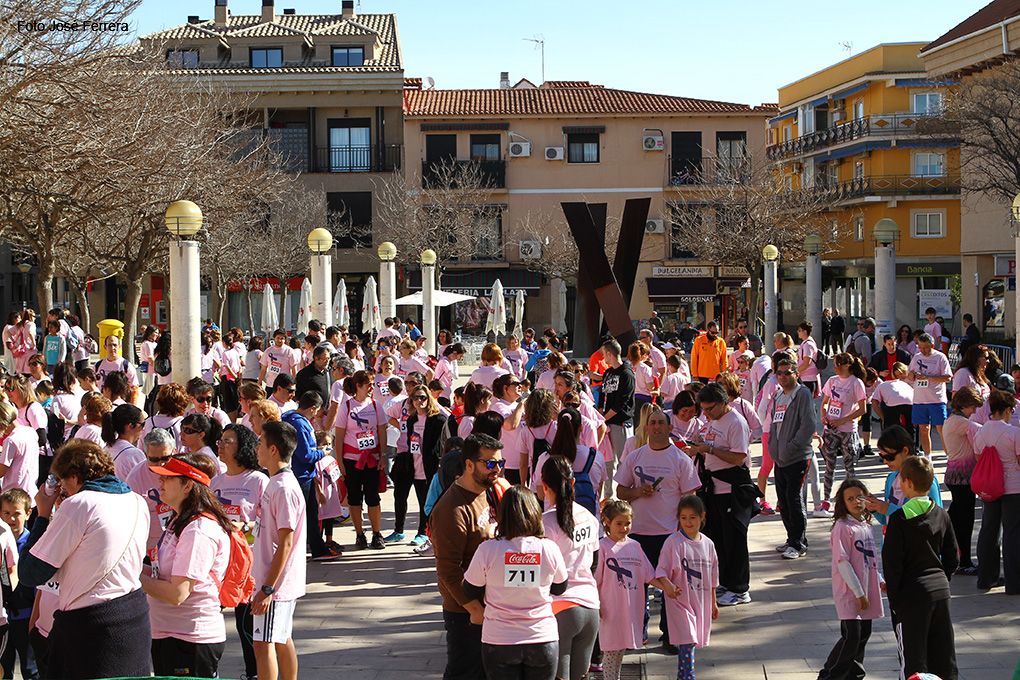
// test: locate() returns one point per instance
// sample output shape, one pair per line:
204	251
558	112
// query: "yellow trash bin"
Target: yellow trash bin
108	327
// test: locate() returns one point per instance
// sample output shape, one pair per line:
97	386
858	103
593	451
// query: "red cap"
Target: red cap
175	467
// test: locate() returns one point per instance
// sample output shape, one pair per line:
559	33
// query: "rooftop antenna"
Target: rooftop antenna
539	41
847	46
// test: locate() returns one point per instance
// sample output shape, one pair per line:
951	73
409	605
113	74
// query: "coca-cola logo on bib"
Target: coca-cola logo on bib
522	558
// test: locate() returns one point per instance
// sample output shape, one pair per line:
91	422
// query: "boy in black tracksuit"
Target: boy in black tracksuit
919	557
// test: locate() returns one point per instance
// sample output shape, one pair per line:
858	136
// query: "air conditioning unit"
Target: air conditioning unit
651	140
554	153
655	227
531	250
520	149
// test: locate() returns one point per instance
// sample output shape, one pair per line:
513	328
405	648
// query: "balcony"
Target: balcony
370	158
491	174
709	171
889	185
877	125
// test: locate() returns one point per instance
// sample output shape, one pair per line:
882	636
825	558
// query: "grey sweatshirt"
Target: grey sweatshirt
792	442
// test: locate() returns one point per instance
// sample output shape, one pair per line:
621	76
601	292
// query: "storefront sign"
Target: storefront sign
732	273
1005	265
927	268
687	299
681	272
939	298
486	292
144	312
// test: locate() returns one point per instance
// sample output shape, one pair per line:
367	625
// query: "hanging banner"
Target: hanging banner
939	298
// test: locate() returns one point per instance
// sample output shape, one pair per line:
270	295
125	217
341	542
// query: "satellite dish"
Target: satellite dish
429	82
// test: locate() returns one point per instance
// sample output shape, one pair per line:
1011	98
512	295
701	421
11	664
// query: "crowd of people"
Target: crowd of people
552	492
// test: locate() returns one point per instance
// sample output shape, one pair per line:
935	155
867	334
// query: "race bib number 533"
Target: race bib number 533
521	570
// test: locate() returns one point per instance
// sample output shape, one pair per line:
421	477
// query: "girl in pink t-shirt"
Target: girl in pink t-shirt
622	574
844	400
688	574
856	582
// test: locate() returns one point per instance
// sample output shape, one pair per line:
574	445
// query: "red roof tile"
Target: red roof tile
989	15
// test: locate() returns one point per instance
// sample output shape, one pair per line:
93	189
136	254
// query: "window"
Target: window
927	102
859	109
787	133
832	174
928	225
582	147
182	58
484	148
350	145
350	215
348	56
858	169
858	228
731	151
488	236
686	219
266	57
685	158
929	164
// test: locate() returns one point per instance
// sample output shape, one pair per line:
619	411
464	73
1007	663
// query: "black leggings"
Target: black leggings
401	489
961	514
245	625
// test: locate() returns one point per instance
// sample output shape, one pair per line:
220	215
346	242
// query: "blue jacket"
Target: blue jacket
894	503
535	357
305	455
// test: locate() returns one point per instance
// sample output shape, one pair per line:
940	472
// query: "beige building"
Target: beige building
987	252
576	141
329	88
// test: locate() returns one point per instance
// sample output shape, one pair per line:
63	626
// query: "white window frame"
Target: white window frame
928	109
858	109
915	163
858	228
787	133
915	214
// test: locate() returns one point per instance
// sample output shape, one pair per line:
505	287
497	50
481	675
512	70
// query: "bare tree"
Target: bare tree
729	212
558	257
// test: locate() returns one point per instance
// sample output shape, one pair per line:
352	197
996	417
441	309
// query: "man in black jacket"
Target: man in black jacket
918	558
882	360
314	377
971	335
617	403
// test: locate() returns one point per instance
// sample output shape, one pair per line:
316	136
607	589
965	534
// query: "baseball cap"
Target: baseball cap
175	467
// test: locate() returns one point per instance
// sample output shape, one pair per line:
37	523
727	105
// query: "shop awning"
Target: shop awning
820	101
854	150
783	116
853	90
681	289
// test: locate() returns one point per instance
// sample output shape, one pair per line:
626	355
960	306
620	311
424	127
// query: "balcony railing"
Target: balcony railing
370	158
491	174
889	185
880	125
709	171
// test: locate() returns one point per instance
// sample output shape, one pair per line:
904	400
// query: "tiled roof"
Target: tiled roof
989	15
589	99
382	27
566	84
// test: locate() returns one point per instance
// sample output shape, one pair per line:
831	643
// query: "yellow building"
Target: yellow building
863	134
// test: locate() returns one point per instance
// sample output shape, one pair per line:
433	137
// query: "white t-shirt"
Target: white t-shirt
9	547
125	457
20	453
66	407
578	551
282	507
240	494
485	375
93	534
843	396
935	364
894	393
106	367
808	350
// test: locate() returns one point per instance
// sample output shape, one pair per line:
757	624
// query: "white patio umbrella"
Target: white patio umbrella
304	314
519	314
341	311
562	292
496	323
371	319
270	317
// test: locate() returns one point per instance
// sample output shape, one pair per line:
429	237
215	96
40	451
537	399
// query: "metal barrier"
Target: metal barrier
1006	354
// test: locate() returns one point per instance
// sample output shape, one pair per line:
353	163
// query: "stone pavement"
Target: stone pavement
376	616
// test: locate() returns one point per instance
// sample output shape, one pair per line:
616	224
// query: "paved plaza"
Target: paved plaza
376	616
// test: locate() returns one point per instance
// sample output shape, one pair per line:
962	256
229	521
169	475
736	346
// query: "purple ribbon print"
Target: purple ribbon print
868	554
690	572
639	472
614	566
153	496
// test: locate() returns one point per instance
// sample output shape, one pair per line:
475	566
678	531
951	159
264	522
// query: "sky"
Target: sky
730	50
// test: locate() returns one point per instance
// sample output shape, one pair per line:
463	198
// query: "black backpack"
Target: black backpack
54	430
538	447
161	365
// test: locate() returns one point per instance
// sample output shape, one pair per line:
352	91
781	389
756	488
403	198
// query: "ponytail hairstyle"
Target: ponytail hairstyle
117	420
558	477
211	429
856	366
568	429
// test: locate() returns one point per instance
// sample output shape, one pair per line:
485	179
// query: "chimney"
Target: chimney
348	8
221	13
504	80
193	19
268	11
290	11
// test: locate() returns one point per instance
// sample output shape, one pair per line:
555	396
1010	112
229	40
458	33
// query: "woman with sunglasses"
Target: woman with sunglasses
202	396
200	435
122	429
183	584
427	433
380	381
37	369
239	490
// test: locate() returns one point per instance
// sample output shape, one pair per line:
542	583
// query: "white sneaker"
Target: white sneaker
792	553
823	510
782	548
729	599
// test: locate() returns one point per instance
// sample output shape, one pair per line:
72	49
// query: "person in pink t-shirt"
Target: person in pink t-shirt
622	575
844	400
276	360
856	581
576	532
518	573
408	363
489	370
688	573
19	454
190	563
279	568
807	352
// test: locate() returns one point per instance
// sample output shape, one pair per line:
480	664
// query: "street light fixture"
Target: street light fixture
387	279
885	233
387	251
184	219
770	253
812	244
428	257
320	242
771	256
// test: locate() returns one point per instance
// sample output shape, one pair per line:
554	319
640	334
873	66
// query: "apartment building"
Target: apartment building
564	141
859	132
987	249
329	88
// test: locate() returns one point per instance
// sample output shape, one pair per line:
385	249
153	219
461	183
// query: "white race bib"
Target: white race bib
51	586
780	413
921	382
332	472
164	512
366	440
585	533
521	570
414	442
834	409
384	389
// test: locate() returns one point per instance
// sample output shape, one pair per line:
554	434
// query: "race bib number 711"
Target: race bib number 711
521	570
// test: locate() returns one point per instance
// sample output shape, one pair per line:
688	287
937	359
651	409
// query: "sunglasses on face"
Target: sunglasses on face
291	390
494	463
886	456
784	373
191	430
420	397
160	460
203	400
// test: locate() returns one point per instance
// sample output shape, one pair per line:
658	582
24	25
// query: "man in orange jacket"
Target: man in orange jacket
708	357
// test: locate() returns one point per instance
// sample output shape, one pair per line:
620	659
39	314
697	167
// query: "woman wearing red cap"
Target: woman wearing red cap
188	634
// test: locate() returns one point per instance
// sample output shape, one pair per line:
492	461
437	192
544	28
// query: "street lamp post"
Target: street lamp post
428	308
1015	224
320	241
885	233
771	256
184	220
813	284
387	279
